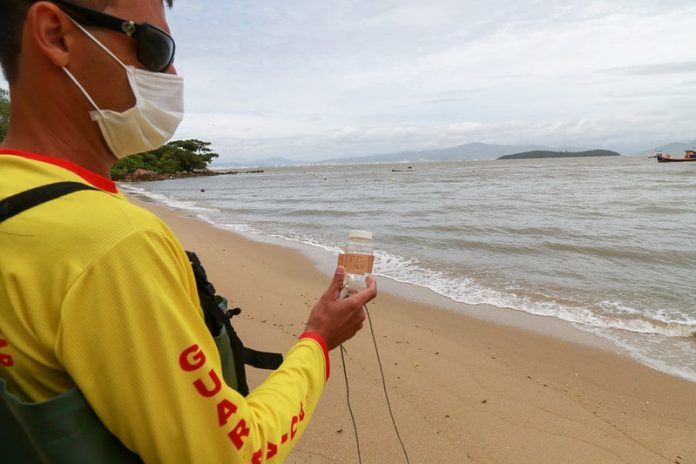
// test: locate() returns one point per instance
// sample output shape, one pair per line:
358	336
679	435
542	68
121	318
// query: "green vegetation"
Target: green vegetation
175	157
4	112
559	154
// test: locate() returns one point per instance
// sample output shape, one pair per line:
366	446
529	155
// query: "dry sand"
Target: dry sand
462	389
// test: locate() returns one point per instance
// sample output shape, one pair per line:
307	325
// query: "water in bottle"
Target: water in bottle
358	260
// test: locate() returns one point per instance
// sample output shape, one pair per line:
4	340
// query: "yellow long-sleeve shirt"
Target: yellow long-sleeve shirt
98	294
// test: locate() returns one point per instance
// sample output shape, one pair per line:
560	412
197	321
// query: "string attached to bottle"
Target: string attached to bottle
384	386
350	409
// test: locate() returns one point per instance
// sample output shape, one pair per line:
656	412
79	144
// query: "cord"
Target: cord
352	417
384	386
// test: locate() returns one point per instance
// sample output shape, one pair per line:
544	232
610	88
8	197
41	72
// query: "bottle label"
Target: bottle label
356	264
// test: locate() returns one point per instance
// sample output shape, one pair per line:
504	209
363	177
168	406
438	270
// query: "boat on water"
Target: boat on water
689	155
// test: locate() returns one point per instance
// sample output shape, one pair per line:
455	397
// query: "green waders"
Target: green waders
65	429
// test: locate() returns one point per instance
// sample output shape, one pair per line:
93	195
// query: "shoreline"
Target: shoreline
144	175
463	389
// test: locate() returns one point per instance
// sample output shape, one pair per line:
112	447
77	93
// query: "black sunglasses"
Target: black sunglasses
155	47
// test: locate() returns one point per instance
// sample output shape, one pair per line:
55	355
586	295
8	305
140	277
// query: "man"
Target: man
97	295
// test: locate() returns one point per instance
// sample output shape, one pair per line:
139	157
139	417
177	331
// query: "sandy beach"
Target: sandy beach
463	389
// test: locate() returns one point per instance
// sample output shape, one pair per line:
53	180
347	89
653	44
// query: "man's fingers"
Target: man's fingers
364	296
336	283
354	303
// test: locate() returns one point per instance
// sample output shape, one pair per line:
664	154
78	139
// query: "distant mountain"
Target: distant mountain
675	147
221	166
279	161
559	154
469	151
268	162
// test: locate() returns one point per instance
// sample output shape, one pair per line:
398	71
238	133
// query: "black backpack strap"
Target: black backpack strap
15	204
262	359
217	316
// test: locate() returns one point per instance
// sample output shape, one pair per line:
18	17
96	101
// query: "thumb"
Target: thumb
336	283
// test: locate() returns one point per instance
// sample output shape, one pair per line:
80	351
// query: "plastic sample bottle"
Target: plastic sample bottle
358	260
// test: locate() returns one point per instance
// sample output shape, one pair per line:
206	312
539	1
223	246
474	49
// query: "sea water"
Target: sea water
607	244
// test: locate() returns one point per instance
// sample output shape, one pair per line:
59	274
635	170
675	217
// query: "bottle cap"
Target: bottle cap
360	234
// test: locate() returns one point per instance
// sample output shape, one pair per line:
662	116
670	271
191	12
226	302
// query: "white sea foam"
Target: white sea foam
236	227
301	238
669	323
675	356
663	341
167	200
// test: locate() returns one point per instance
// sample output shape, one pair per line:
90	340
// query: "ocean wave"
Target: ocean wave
604	315
306	240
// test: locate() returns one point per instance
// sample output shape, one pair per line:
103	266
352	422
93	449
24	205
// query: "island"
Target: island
174	160
559	154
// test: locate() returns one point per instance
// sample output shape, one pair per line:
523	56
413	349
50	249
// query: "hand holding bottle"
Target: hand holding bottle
339	319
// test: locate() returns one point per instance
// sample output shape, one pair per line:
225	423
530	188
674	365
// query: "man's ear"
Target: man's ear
51	32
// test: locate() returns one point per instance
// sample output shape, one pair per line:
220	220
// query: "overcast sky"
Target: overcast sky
311	79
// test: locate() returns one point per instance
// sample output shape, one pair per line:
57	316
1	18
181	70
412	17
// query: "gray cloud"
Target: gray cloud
313	79
656	69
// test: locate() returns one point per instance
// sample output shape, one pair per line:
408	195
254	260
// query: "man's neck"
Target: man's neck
78	155
59	137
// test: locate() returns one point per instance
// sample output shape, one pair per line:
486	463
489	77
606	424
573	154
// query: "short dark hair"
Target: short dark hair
13	13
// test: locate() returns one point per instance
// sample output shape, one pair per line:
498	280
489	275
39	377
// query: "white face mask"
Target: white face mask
158	110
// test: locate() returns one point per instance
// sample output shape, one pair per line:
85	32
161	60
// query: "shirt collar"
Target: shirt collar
93	178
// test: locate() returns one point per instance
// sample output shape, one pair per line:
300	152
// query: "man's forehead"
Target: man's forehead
152	6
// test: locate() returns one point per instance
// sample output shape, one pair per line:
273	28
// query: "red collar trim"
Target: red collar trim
93	178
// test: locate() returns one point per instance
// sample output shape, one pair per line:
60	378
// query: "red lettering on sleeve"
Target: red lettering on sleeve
225	409
256	458
5	359
191	358
284	438
293	427
238	432
301	412
272	450
203	390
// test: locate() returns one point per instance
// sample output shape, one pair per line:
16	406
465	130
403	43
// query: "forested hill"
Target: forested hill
559	154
